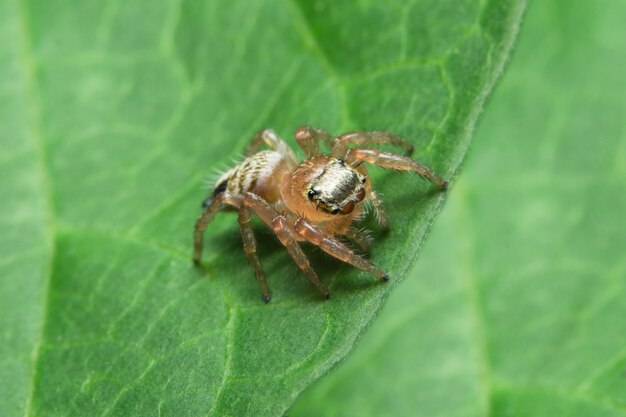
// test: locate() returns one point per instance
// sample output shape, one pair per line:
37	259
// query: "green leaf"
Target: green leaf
113	113
516	307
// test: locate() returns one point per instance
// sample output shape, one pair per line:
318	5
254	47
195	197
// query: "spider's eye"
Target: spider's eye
311	194
361	195
363	180
334	211
347	209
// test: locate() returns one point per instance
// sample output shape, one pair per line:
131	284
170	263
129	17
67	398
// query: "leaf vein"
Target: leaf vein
33	99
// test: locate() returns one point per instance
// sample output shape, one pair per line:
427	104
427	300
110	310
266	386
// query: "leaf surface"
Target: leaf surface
516	307
113	115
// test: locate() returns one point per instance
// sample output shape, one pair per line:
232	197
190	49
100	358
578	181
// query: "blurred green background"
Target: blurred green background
517	305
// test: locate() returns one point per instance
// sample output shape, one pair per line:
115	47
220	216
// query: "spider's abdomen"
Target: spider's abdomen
258	174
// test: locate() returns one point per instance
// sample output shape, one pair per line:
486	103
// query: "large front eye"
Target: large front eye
361	195
334	211
311	194
347	209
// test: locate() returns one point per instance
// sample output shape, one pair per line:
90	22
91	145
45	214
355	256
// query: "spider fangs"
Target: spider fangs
312	201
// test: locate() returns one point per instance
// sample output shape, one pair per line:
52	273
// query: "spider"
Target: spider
315	200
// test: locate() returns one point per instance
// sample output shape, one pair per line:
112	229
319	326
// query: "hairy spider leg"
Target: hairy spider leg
309	139
328	244
279	225
379	209
375	137
249	248
260	138
398	163
281	228
201	224
360	237
272	140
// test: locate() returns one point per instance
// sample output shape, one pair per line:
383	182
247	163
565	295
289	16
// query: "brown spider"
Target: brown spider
313	201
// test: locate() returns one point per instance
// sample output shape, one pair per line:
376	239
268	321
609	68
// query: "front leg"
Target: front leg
360	237
396	162
375	137
379	210
279	225
335	248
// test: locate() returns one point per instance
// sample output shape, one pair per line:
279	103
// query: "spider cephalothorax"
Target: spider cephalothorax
315	200
337	188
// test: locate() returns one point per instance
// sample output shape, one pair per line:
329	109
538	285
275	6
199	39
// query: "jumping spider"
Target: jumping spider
313	201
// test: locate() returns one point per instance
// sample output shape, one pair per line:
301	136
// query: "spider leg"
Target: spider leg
249	248
396	162
379	210
360	237
375	137
278	223
272	140
335	248
265	136
203	221
286	237
309	139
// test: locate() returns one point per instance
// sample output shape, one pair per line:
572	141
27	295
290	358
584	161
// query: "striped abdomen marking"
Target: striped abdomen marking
253	174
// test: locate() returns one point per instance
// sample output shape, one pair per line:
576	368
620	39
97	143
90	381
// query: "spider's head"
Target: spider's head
324	187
